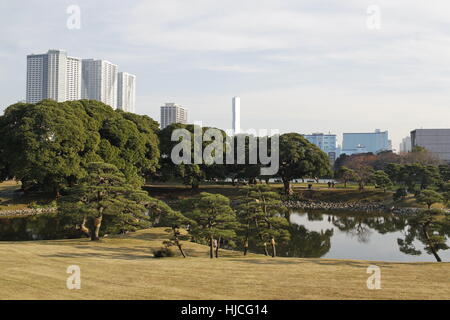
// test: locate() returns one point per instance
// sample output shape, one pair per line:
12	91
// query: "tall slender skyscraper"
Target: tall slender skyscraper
126	92
236	115
99	81
53	75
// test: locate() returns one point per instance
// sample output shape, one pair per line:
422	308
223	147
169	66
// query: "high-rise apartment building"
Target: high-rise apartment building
126	92
73	83
368	141
405	145
326	142
99	81
172	113
236	110
53	75
436	141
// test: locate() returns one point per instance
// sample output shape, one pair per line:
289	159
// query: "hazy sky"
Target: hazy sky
304	66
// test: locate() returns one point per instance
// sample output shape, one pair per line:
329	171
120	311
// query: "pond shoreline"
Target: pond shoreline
351	206
26	212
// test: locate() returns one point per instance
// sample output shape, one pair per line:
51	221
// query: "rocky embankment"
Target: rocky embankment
26	212
348	206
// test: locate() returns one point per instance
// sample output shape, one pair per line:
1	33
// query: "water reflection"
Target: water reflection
340	235
363	236
40	227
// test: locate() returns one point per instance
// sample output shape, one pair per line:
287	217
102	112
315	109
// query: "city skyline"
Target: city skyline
319	67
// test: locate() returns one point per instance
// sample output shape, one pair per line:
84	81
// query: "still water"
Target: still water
318	234
351	235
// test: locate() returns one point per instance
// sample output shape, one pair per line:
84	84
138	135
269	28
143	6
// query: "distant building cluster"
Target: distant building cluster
55	75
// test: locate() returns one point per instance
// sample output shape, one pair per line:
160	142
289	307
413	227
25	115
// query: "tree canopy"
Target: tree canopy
48	145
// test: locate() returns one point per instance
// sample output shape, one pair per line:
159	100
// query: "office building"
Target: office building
374	142
172	113
126	92
326	142
53	75
100	81
436	141
405	145
236	110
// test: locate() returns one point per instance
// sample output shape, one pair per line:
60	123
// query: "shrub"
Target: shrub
163	252
400	194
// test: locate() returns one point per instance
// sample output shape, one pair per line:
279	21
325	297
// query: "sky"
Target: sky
298	66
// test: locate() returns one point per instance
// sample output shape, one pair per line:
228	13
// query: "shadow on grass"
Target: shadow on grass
324	262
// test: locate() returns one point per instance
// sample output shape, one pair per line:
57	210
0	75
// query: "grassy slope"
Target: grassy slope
122	268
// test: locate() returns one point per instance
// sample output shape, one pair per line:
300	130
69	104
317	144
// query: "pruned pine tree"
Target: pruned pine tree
105	196
161	212
263	208
214	220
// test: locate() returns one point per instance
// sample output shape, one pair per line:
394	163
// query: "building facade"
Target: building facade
53	75
100	81
374	142
436	141
405	145
172	113
326	142
236	110
126	92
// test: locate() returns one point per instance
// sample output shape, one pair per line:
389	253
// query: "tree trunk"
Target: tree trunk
361	185
433	250
345	184
261	238
177	242
246	238
96	230
211	241
287	187
56	191
274	250
266	252
84	229
217	247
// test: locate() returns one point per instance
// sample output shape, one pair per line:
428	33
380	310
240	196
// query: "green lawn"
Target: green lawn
123	268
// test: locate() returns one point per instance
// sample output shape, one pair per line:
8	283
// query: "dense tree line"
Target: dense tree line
95	160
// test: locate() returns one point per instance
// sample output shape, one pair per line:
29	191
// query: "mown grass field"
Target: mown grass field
123	268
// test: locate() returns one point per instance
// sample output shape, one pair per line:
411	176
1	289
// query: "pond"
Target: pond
363	236
315	234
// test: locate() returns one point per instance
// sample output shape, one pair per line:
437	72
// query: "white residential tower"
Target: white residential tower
99	81
53	75
126	92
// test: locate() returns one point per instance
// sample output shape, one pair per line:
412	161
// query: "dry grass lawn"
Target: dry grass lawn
123	268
